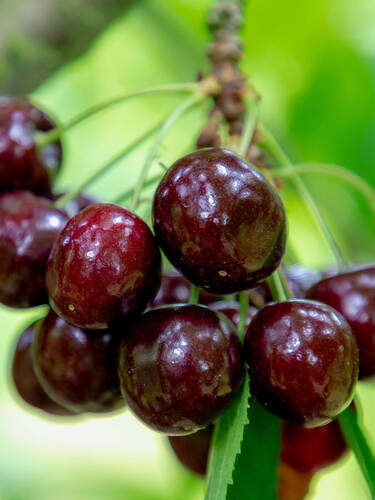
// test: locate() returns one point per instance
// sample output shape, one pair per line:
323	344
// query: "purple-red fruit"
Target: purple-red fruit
22	164
219	221
179	367
77	368
175	289
353	295
308	450
104	267
232	311
29	225
303	361
192	450
25	380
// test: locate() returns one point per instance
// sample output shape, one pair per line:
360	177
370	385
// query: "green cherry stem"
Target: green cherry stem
270	144
350	177
278	291
43	139
165	129
251	117
244	305
194	295
128	194
112	162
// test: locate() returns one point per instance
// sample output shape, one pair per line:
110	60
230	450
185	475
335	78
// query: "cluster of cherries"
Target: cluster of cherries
118	335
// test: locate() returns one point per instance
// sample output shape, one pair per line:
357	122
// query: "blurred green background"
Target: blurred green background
314	64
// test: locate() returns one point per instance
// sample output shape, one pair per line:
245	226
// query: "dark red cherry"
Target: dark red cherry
179	367
22	166
192	450
104	266
175	289
77	368
353	295
303	361
232	311
308	450
29	225
219	221
25	380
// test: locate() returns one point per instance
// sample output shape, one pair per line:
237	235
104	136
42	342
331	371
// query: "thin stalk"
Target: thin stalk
353	179
194	295
271	145
244	305
104	169
129	193
165	129
43	139
251	117
277	289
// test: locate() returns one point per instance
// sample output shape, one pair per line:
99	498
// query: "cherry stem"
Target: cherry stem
279	286
358	442
45	138
194	295
251	117
353	179
271	145
244	305
129	193
104	169
165	129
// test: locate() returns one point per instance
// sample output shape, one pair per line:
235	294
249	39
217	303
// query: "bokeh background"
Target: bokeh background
314	64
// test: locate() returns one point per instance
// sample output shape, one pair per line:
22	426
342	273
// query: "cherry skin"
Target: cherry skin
308	450
175	289
232	311
192	450
77	368
22	165
219	221
353	295
179	367
303	361
104	266
29	225
25	380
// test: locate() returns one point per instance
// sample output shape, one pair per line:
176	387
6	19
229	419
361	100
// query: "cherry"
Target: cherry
232	311
175	289
29	226
192	450
219	221
22	165
77	368
25	380
353	295
104	266
308	450
179	367
303	361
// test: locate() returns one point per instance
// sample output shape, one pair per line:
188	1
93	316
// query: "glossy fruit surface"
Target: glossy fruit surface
232	311
175	289
179	367
303	361
308	450
219	221
77	368
29	225
104	266
192	450
25	380
22	166
353	295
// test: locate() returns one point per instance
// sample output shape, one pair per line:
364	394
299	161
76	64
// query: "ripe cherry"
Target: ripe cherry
353	295
29	225
25	380
22	165
308	450
77	368
192	450
303	361
179	367
104	266
219	221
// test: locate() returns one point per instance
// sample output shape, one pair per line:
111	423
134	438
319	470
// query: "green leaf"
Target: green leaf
227	444
358	441
256	470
